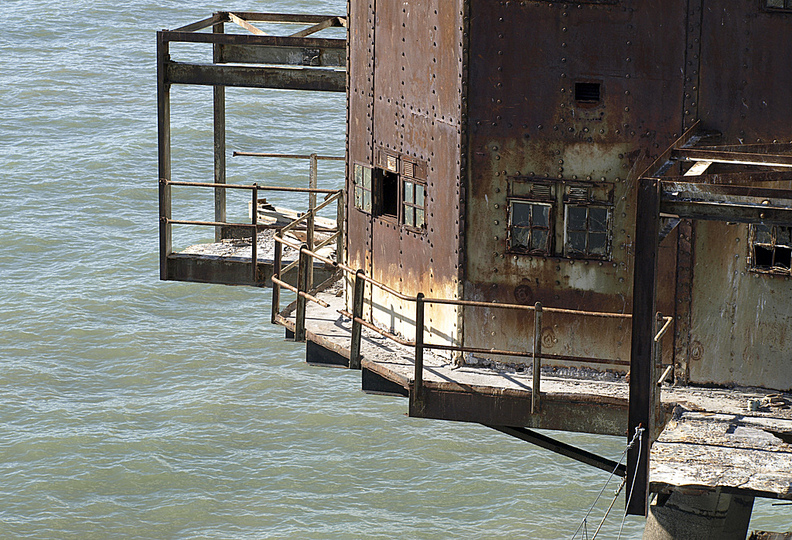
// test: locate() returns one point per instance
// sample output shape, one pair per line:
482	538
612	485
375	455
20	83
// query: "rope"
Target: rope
583	523
615	496
638	432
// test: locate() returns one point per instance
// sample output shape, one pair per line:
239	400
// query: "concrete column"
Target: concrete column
699	515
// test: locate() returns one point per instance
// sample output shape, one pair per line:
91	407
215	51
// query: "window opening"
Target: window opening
771	248
587	231
414	204
389	193
529	226
587	93
778	5
362	181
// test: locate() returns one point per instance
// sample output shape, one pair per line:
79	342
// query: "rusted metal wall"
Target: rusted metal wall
740	318
745	85
415	113
525	124
360	131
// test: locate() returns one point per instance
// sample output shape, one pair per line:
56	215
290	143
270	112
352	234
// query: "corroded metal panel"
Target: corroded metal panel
741	319
584	101
745	85
360	131
417	122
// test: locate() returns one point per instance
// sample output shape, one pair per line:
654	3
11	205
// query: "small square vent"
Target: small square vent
587	92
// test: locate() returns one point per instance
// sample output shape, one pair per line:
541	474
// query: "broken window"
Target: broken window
587	231
362	187
414	204
778	5
771	248
399	187
388	193
530	226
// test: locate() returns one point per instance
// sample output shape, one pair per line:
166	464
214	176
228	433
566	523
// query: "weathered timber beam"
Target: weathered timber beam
205	23
573	452
245	39
287	18
333	22
736	158
698	168
256	77
293	56
242	23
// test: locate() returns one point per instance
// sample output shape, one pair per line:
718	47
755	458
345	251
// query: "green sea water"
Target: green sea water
135	408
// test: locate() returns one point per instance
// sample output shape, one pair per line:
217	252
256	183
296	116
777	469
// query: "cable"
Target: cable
615	496
613	472
639	433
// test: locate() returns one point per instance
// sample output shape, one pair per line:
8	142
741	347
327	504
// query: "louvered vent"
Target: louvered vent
578	194
541	190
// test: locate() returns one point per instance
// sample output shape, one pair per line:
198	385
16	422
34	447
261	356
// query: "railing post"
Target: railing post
219	141
656	366
276	270
254	237
357	313
418	390
164	154
537	359
340	223
312	184
302	283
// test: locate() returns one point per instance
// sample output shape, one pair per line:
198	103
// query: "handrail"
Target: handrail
288	156
332	195
250	186
469	303
311	212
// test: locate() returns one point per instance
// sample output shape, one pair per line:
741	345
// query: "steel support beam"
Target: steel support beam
642	377
737	158
740	204
573	452
163	154
219	141
292	56
245	39
256	77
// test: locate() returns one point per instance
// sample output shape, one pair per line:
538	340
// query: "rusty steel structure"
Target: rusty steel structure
503	146
597	186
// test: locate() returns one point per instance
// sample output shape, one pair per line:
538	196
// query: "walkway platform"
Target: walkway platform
229	261
733	439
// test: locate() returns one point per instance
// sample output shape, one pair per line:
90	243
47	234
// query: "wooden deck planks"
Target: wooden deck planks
730	451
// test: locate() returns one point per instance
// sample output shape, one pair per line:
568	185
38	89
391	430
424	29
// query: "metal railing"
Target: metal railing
304	294
308	217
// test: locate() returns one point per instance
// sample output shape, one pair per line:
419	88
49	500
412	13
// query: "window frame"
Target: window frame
393	171
547	251
413	204
773	246
357	188
786	8
587	254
